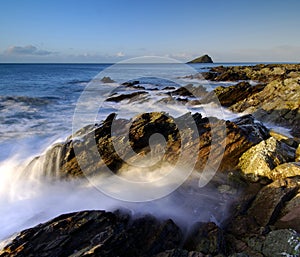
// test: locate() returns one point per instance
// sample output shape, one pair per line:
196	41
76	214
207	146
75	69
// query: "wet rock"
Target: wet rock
260	160
93	148
271	199
189	90
207	238
96	233
290	214
131	83
281	242
131	96
278	102
228	96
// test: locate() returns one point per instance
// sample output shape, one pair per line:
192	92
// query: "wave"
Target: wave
33	101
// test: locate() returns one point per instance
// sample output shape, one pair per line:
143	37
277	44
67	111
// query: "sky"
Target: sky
105	31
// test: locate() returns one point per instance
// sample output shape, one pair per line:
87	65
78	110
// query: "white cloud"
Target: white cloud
120	54
26	50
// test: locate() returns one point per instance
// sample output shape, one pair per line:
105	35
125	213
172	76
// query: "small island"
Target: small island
202	59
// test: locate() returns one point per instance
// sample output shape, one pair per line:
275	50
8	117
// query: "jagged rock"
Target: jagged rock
202	59
285	170
89	142
207	238
281	242
107	80
260	160
290	214
228	96
189	90
132	96
278	102
270	200
96	233
261	72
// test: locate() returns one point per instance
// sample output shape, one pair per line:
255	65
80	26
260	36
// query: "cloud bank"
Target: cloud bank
27	50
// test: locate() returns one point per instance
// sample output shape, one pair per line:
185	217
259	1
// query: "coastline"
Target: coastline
264	195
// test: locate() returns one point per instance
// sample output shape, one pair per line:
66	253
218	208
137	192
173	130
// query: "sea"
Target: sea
38	103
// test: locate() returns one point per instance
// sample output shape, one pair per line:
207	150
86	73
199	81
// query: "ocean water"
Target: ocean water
37	105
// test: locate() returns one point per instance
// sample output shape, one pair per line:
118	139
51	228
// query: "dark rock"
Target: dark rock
271	199
281	242
189	90
96	233
228	96
207	238
119	98
107	80
131	83
180	253
202	59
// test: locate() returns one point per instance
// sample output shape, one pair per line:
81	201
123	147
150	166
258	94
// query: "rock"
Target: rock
260	160
285	170
242	133
131	96
297	159
96	233
277	102
131	83
228	96
207	238
267	205
89	142
290	215
180	253
281	242
107	80
202	59
189	90
262	72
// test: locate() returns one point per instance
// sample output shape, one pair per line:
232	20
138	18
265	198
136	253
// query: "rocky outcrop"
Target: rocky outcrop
261	160
107	80
88	143
202	59
131	96
206	238
262	72
96	233
230	95
275	100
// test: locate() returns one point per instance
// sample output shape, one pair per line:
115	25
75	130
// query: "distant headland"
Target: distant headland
202	59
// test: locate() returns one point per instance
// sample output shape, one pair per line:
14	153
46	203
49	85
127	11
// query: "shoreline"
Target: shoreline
260	183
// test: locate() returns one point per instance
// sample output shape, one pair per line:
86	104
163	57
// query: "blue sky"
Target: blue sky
113	30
